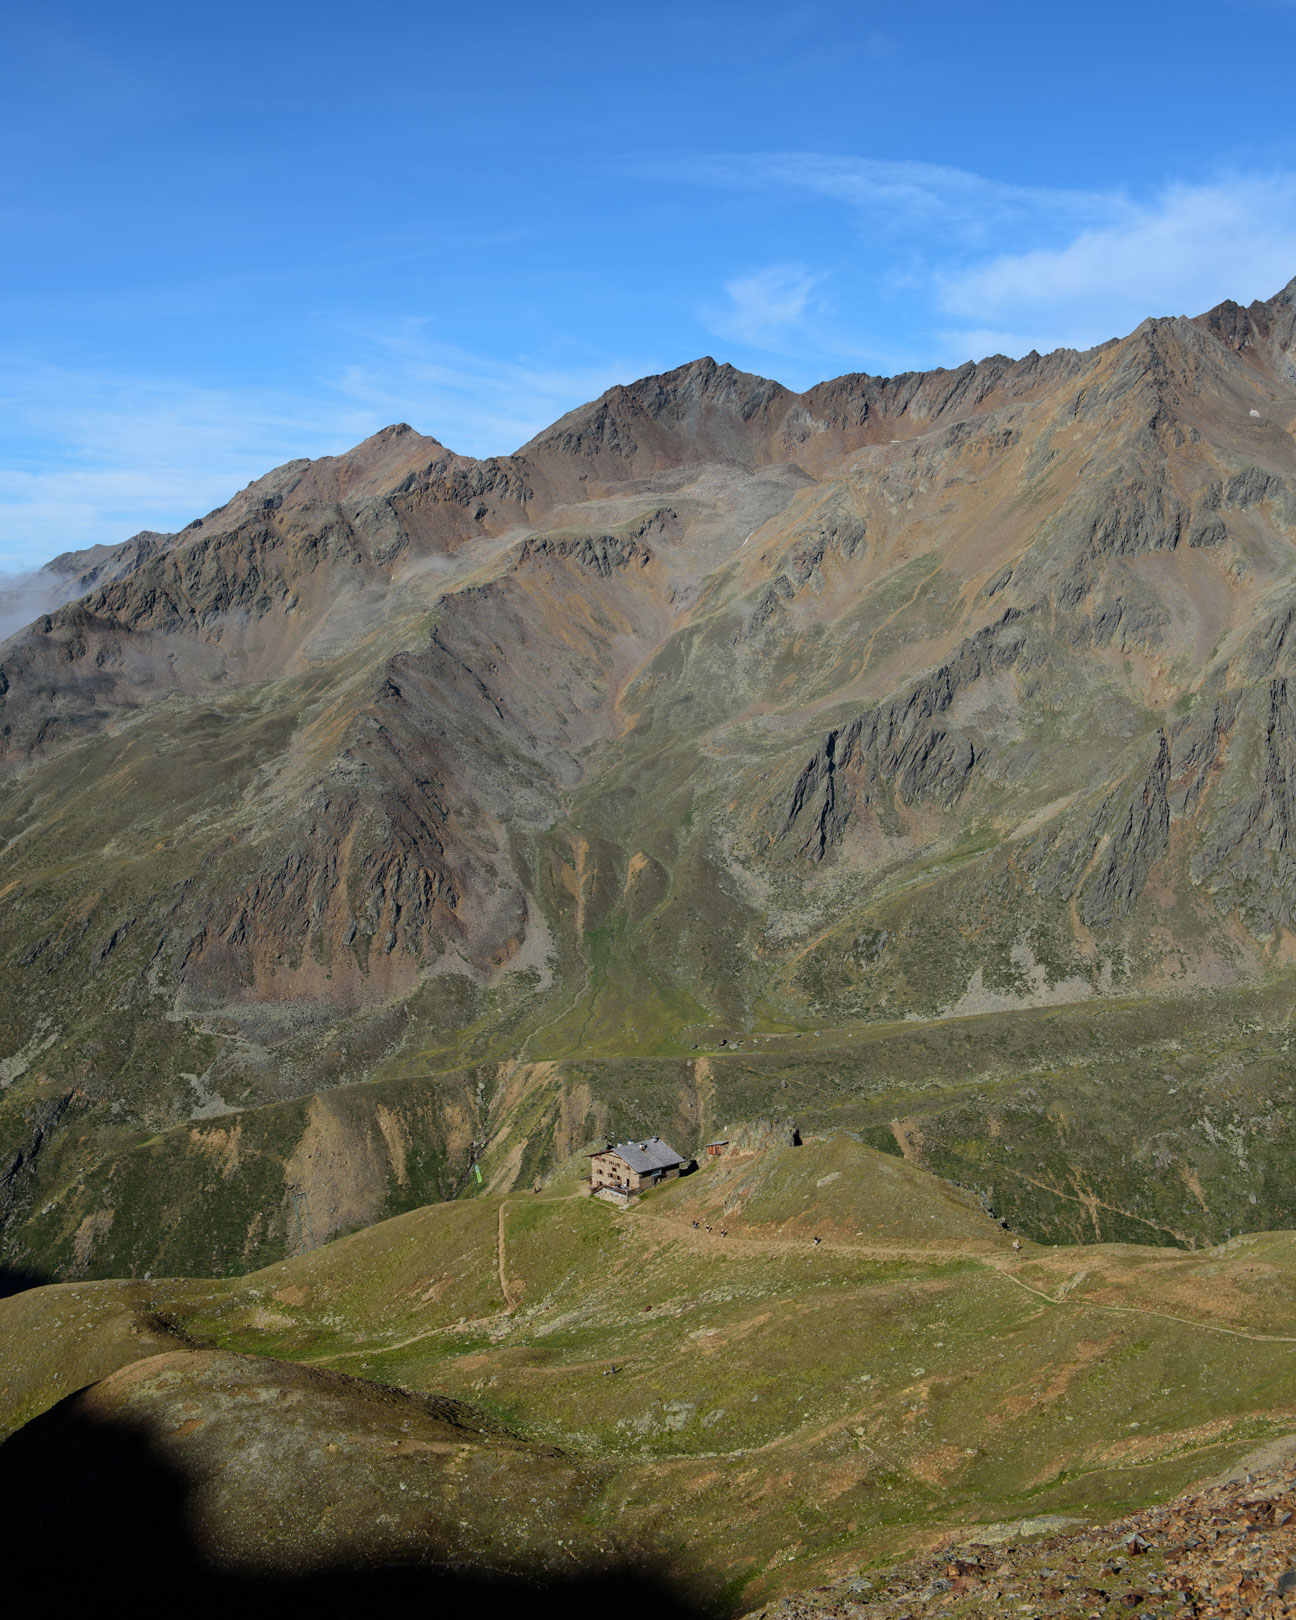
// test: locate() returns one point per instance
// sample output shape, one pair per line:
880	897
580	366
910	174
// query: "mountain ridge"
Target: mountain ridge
715	707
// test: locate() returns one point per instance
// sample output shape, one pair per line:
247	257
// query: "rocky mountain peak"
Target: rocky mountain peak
1264	328
705	383
698	412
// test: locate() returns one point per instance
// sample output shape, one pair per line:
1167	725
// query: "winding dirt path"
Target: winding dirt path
510	1305
1144	1310
992	1261
672	1227
375	1349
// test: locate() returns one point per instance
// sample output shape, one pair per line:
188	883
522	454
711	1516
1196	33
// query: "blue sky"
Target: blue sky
235	233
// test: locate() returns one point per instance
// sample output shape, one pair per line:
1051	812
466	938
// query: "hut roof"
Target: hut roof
652	1154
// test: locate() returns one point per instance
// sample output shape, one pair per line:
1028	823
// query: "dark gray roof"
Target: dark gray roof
654	1154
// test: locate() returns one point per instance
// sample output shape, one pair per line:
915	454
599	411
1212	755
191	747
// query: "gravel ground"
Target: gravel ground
1226	1550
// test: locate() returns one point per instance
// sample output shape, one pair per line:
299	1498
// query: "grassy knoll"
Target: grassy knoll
761	1407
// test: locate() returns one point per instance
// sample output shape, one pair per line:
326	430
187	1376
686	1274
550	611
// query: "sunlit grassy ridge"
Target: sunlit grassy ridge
778	1408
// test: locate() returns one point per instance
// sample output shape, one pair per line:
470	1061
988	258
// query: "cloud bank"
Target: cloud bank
25	596
1180	254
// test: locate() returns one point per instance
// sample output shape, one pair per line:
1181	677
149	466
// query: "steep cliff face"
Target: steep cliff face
715	702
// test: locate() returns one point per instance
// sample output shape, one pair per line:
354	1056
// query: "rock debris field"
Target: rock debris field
1228	1550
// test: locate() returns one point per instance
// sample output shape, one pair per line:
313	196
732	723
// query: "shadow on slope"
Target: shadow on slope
94	1512
18	1279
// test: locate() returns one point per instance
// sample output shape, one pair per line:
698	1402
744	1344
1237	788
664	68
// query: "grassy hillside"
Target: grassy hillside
758	1410
1158	1120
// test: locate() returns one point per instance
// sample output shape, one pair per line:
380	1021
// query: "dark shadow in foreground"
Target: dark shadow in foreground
14	1280
95	1521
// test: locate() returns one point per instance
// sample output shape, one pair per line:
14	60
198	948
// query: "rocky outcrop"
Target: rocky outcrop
1227	1544
1139	824
457	481
1247	855
1134	515
1197	750
1266	328
1101	853
901	746
21	1161
780	589
600	553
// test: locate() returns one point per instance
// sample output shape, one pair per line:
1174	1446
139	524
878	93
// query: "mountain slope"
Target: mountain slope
546	1383
714	708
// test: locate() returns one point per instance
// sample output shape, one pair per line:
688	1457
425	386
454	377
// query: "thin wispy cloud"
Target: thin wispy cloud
900	196
95	458
766	309
476	405
993	265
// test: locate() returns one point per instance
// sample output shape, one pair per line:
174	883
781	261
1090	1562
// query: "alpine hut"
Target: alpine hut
632	1166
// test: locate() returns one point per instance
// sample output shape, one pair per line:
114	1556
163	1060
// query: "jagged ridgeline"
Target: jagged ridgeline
928	740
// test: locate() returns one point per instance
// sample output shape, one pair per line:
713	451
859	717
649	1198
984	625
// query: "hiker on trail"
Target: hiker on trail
724	1231
708	1228
1016	1243
695	1226
816	1243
